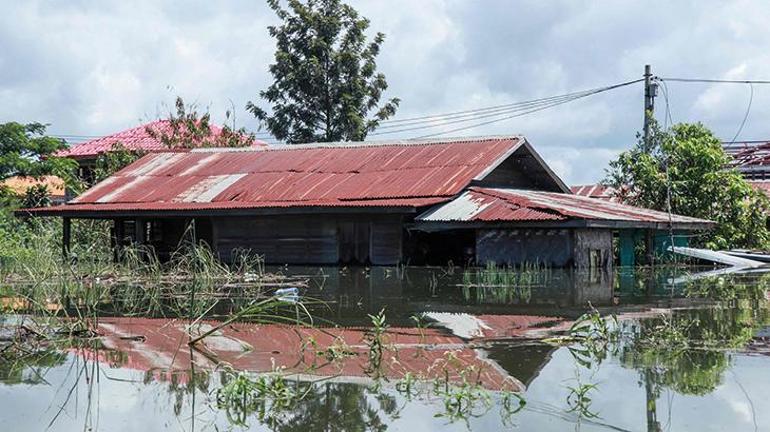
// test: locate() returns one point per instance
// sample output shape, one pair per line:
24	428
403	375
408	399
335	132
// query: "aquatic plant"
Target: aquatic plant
375	342
267	395
579	400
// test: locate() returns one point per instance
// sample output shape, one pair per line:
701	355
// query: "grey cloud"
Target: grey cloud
93	67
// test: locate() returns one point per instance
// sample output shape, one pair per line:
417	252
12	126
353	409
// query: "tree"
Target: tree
325	75
691	159
114	160
188	129
25	150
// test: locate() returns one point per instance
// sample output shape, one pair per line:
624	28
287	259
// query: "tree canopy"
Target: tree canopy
25	150
189	129
691	159
326	83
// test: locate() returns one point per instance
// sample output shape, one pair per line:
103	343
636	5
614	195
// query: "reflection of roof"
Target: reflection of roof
20	184
136	138
391	174
160	345
515	205
599	191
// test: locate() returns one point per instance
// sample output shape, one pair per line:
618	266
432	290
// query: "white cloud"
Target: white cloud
91	68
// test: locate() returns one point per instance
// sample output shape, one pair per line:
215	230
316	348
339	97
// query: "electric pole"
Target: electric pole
650	91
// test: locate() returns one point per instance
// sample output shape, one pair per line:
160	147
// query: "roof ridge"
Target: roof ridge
359	144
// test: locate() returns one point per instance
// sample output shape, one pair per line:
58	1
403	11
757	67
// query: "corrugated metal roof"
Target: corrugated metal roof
515	205
135	138
597	190
412	174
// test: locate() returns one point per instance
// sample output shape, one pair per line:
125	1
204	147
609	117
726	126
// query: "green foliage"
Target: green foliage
189	129
325	75
114	160
37	196
266	395
691	158
375	341
25	150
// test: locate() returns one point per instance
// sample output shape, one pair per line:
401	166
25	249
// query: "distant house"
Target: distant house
136	138
465	200
20	184
752	160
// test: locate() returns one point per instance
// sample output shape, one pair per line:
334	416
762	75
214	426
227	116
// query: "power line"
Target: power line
714	81
422	119
745	116
539	107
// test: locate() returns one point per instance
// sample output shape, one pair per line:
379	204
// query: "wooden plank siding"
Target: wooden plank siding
319	239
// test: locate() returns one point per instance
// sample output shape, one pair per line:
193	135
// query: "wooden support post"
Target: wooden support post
139	231
66	234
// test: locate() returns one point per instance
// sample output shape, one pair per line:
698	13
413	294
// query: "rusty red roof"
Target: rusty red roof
515	205
390	174
136	138
597	190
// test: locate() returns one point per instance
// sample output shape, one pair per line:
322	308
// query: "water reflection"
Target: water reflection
432	377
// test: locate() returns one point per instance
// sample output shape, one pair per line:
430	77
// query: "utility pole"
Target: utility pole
650	91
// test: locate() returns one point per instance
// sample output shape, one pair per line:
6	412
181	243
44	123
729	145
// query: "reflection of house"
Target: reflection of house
137	139
54	185
462	200
155	345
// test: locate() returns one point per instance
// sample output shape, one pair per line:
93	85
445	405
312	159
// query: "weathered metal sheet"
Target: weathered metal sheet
597	190
384	174
495	204
136	138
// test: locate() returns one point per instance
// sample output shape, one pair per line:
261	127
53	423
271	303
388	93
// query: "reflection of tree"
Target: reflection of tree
336	407
684	352
29	368
181	384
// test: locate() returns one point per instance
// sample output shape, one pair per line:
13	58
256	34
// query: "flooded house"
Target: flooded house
428	202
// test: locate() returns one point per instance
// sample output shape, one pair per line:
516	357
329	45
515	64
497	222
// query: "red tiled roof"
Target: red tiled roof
514	205
410	174
599	191
133	139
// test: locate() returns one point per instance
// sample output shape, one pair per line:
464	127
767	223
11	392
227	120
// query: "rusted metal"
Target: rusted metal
597	190
412	174
512	205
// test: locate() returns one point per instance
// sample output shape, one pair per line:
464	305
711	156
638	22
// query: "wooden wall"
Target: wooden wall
579	248
552	247
313	239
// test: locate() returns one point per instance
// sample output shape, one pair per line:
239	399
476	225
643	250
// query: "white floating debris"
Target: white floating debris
289	295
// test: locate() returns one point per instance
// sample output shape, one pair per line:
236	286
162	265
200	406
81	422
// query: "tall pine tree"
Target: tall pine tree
326	85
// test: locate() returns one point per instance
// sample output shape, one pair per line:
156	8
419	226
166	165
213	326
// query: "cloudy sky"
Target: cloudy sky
95	67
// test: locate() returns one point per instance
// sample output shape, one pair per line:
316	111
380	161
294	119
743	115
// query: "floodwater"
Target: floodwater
683	353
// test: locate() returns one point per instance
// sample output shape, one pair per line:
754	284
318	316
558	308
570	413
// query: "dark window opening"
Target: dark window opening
441	248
